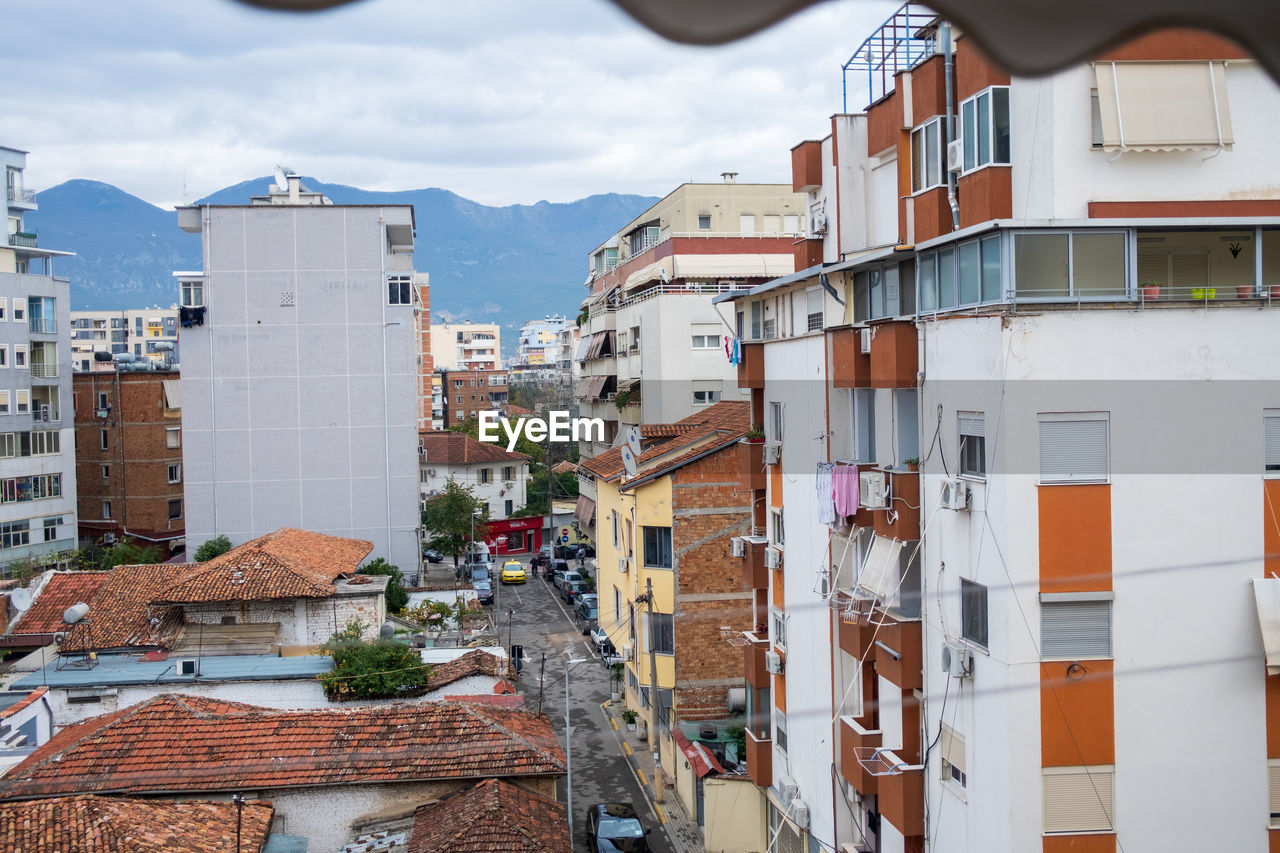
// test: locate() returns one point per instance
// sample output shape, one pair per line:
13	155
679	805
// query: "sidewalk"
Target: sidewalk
682	829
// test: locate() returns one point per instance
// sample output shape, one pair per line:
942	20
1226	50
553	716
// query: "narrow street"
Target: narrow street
543	624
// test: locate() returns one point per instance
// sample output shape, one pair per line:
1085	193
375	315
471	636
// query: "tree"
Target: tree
397	598
532	449
129	552
371	669
562	486
448	518
214	547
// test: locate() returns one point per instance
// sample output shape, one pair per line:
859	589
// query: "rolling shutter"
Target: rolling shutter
1074	451
1079	799
1075	630
974	424
1271	440
953	749
1273	774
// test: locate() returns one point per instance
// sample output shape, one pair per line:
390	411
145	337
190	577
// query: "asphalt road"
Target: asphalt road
541	622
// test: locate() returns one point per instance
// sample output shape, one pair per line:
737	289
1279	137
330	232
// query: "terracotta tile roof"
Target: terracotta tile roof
120	613
513	409
23	702
62	590
288	563
492	815
506	700
474	662
728	419
453	448
187	744
89	824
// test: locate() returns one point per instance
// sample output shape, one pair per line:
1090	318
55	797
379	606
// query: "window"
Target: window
106	509
8	445
814	309
44	442
4	355
657	547
635	338
1075	625
973	445
399	291
104	440
15	534
661	633
1161	106
616	530
103	400
1273	774
1065	264
1270	440
4	304
172	437
1074	448
862	401
952	757
106	472
175	509
984	119
973	612
19	311
780	729
778	619
928	156
175	472
775	421
20	355
965	275
1078	799
747	224
4	402
51	528
509	473
704	222
507	508
778	528
24	402
643	238
706	341
486	475
703	398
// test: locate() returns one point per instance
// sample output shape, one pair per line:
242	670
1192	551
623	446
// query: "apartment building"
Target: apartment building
466	346
37	445
653	346
1029	335
128	438
496	477
300	388
150	333
466	393
426	363
539	343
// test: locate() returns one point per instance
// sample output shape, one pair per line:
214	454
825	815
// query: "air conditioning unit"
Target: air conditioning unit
622	565
772	558
957	660
955	156
738	546
818	223
628	652
871	489
772	453
788	790
864	339
108	538
774	663
799	813
955	494
431	472
509	484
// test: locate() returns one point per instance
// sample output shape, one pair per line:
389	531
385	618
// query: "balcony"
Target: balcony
751	366
854	737
760	760
901	796
24	239
855	632
751	471
850	366
904	501
806	167
44	371
898	653
42	325
754	573
754	652
808	253
894	357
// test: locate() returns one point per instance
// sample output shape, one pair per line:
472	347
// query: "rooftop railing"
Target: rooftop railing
907	38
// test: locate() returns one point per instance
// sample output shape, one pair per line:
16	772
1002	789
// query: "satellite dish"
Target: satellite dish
664	275
633	440
628	461
281	181
21	599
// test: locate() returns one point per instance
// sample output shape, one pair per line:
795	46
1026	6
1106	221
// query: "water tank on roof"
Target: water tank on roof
75	613
162	346
123	357
102	356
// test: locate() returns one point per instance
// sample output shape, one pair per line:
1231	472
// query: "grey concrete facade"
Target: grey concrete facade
299	388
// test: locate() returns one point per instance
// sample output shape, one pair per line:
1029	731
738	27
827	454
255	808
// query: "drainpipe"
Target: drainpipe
949	61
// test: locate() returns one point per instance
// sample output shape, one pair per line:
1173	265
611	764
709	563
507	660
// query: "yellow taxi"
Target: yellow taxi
513	572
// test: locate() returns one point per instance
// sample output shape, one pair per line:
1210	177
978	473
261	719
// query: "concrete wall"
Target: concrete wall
299	390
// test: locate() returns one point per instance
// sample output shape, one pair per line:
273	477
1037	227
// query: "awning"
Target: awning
701	760
583	346
582	387
1266	595
172	393
585	511
597	386
1163	106
880	574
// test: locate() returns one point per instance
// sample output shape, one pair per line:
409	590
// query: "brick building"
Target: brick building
426	362
129	455
468	392
667	586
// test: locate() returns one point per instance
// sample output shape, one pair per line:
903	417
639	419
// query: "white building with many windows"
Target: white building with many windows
299	386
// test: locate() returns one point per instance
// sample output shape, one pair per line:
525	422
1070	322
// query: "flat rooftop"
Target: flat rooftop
117	669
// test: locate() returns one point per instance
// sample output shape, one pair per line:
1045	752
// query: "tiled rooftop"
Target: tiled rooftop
186	744
492	815
676	443
121	615
87	824
476	662
62	590
454	448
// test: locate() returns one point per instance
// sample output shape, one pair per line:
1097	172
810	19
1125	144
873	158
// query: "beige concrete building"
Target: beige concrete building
466	346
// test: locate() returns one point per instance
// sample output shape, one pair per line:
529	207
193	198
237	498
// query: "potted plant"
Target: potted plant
755	435
629	716
622	399
615	682
1244	291
913	464
1150	290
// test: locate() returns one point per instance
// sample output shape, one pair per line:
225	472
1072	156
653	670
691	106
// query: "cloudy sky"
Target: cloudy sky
501	101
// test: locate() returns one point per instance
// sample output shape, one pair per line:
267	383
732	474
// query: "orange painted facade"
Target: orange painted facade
1079	844
806	167
932	211
975	71
1075	538
1176	44
985	195
850	366
1077	724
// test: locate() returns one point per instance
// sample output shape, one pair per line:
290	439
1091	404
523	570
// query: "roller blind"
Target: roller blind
974	424
1163	106
1074	449
953	748
1078	799
1271	440
1273	773
1075	630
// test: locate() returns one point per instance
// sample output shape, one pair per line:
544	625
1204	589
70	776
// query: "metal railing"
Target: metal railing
21	195
26	239
900	43
681	290
44	371
42	325
1142	294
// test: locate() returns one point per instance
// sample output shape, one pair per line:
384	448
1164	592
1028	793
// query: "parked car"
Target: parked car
433	556
478	571
484	591
586	613
545	552
570	589
567	576
558	568
616	827
513	572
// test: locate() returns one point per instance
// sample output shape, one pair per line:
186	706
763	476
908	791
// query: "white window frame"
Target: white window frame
776	420
175	472
19	310
23	402
173	437
20	360
777	527
400	290
1073	293
953	768
1088	784
705	341
106	509
191	294
967	585
990	130
106	472
4	355
1058	477
4	402
4	306
701	218
778	627
931	128
862	412
1071	624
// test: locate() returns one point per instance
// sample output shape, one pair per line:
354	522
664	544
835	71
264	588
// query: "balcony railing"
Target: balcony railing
44	371
23	238
20	195
42	325
46	415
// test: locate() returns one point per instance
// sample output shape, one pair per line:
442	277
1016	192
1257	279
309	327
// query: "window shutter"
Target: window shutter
1078	799
1073	451
1075	630
1095	110
1190	270
973	424
1273	772
1271	440
1153	267
953	749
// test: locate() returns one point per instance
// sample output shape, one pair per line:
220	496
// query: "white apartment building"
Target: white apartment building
539	342
1078	356
150	333
495	476
466	346
37	429
299	386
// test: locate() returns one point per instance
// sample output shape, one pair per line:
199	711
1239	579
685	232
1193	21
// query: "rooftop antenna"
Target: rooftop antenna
186	197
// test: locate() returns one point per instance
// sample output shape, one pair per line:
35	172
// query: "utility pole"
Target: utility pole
542	680
647	599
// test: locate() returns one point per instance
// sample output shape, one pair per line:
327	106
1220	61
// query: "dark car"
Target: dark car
586	613
558	568
484	591
478	572
616	827
571	589
433	556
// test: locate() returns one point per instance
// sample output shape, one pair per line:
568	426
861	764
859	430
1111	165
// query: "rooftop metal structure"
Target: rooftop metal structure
909	36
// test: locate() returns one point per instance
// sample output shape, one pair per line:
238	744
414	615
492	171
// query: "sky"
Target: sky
501	101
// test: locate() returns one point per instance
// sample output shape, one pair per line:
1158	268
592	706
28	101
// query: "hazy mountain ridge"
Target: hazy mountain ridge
492	264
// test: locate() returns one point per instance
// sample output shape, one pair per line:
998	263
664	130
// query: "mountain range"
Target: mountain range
488	264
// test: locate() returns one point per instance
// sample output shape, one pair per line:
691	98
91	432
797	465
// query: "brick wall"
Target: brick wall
709	507
137	455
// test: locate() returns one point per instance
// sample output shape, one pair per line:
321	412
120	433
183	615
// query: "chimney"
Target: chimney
729	177
295	187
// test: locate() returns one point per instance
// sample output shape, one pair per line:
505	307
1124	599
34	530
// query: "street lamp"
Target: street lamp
568	741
